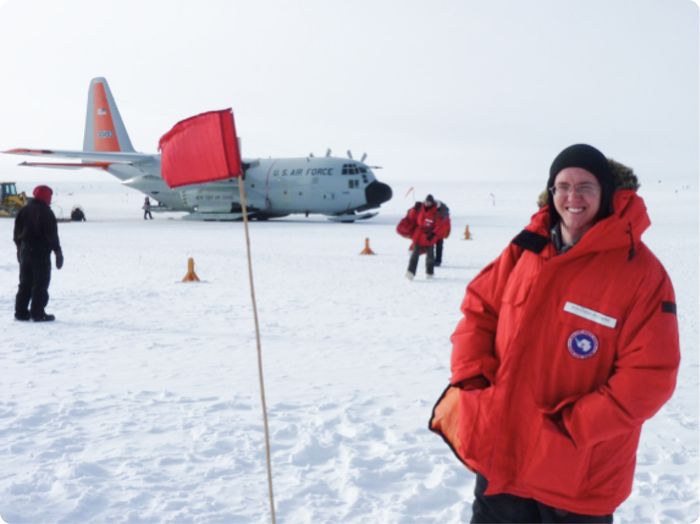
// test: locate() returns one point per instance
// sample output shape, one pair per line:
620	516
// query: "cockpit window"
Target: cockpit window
351	169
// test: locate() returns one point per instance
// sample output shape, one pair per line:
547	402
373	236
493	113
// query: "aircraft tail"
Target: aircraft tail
104	129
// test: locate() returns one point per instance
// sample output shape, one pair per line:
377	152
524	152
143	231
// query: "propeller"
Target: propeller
364	156
328	152
350	154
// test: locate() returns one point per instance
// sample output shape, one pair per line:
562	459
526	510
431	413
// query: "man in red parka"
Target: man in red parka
568	343
427	232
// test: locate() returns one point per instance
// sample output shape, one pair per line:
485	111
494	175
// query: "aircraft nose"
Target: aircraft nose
377	193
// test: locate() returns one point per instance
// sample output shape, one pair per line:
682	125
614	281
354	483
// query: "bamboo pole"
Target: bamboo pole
241	190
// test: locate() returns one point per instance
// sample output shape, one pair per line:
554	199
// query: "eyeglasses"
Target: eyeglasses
587	189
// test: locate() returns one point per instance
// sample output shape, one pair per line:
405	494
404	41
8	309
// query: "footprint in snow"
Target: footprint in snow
312	452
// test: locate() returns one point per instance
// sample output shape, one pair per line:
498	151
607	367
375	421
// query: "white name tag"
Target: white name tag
589	314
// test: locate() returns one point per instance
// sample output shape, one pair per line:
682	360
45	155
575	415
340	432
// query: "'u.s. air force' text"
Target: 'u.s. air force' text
311	171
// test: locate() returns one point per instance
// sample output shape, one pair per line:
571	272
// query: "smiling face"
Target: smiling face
576	196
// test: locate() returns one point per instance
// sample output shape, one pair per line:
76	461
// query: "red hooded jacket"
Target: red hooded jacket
430	227
558	361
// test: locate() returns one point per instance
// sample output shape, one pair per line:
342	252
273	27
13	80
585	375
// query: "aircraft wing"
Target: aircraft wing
98	157
67	165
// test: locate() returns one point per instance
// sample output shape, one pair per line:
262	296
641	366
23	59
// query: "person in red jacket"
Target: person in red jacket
568	343
425	235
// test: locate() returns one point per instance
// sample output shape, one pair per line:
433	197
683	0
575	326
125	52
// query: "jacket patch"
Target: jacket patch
590	314
668	307
582	344
530	241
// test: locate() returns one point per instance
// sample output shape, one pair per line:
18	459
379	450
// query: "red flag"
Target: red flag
200	149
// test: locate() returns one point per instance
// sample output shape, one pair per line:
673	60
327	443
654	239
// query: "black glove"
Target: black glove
59	259
430	235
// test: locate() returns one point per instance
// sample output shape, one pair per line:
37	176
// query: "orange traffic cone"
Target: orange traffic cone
467	234
367	250
191	276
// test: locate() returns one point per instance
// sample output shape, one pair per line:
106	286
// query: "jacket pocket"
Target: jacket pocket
456	418
521	279
584	349
611	468
517	290
585	314
556	467
468	415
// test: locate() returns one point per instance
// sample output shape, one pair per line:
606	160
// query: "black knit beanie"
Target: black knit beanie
588	158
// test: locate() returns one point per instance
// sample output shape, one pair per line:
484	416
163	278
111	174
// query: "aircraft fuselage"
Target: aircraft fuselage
275	187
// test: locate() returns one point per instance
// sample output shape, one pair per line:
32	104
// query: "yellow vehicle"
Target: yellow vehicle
11	201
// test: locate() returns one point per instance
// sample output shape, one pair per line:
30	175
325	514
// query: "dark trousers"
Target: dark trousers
147	214
509	508
429	260
34	279
438	252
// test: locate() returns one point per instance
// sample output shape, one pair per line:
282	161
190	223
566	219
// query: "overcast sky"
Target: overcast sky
442	88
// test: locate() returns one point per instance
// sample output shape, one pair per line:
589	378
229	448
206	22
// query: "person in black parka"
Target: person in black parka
77	215
444	213
36	236
147	209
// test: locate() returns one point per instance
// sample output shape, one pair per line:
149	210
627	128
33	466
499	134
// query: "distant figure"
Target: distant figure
147	209
36	235
77	215
428	230
444	213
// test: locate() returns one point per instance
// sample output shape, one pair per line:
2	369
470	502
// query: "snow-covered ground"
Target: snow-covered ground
141	402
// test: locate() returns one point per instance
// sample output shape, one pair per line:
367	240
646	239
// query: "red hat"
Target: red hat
43	193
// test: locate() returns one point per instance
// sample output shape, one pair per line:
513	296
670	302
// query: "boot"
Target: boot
44	318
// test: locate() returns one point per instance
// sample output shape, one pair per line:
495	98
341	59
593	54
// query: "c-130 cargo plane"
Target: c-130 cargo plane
342	189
